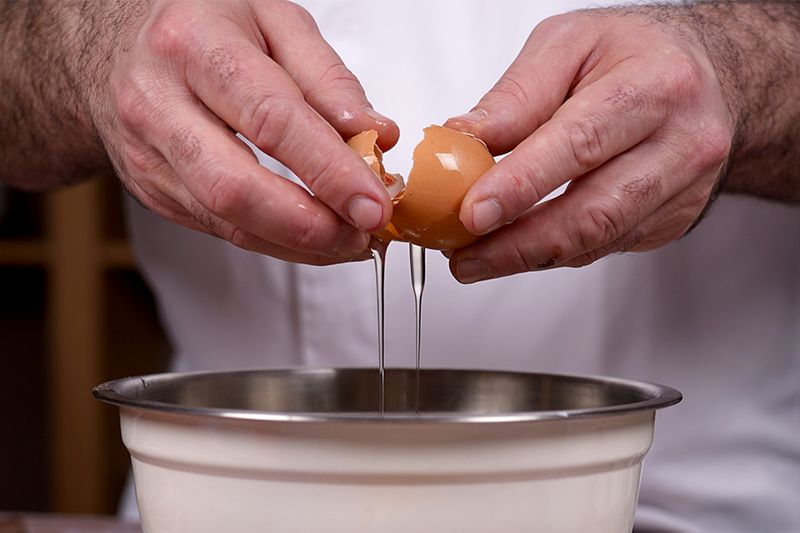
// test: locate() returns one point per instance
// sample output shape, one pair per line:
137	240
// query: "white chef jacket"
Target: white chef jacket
714	315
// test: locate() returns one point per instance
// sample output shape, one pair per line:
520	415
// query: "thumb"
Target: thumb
529	92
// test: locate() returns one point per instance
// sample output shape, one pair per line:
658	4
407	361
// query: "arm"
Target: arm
161	86
755	49
46	133
648	112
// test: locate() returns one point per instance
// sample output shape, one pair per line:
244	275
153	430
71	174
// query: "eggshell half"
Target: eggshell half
446	164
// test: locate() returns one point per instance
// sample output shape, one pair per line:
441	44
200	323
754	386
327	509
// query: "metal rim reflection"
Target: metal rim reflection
132	392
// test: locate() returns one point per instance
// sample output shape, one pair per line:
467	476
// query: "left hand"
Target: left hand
628	110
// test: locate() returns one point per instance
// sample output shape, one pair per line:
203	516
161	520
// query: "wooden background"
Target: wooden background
73	312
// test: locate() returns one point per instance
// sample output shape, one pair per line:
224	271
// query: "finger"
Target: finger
226	190
601	121
169	198
626	243
597	211
295	43
659	229
245	240
134	166
162	204
531	90
256	97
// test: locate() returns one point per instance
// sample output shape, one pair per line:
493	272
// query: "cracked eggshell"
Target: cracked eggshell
365	145
446	164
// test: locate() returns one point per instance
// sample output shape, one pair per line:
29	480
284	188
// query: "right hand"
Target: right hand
184	76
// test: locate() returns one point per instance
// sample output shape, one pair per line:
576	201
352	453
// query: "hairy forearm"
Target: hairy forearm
758	59
47	137
755	49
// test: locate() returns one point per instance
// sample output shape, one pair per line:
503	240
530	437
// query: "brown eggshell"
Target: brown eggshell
446	164
365	145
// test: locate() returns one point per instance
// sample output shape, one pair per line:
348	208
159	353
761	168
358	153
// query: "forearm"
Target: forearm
755	49
47	137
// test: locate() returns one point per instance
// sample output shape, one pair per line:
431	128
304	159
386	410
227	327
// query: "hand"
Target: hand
186	75
626	109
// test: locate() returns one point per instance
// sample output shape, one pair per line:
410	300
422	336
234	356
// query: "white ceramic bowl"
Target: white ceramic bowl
306	451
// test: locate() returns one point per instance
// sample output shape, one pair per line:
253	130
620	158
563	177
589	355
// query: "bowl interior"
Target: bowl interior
322	394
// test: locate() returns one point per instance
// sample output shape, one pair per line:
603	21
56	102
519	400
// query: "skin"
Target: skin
157	89
647	113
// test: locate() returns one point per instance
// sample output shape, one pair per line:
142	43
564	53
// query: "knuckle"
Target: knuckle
241	238
139	162
304	233
524	190
519	258
324	180
622	244
630	241
337	77
600	224
713	147
225	196
511	89
683	78
554	24
132	102
267	122
172	32
150	197
213	225
642	191
586	141
301	14
693	201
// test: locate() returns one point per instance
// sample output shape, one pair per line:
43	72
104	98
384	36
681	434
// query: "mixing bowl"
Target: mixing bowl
459	450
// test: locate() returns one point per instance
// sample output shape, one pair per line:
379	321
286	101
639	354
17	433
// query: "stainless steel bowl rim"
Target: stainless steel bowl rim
113	392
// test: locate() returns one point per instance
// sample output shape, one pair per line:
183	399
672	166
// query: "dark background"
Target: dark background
131	343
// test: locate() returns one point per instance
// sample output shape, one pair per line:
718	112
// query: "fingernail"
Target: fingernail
476	115
471	270
353	244
486	215
365	213
377	117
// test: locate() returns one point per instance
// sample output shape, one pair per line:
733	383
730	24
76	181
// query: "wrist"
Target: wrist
752	46
86	59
